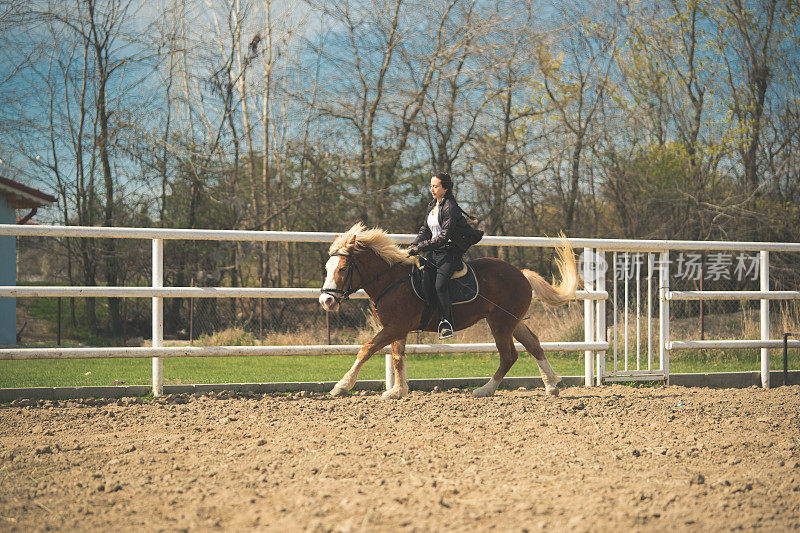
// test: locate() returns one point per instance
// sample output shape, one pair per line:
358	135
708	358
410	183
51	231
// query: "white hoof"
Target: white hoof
395	393
483	392
551	391
339	390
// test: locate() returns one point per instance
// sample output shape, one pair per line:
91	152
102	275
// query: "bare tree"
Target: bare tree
576	79
454	103
378	97
747	40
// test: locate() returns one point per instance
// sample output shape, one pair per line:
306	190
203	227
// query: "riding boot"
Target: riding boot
429	292
446	326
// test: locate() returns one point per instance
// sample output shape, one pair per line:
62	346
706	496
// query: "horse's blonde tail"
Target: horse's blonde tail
564	291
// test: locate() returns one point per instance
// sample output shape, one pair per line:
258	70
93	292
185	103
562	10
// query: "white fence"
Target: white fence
595	345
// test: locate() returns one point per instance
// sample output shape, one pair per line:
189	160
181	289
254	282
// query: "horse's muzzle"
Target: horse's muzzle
328	302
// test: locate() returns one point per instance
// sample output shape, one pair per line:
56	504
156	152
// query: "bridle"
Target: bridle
342	295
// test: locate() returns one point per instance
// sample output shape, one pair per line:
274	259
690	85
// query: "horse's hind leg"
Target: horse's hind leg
531	343
400	388
503	339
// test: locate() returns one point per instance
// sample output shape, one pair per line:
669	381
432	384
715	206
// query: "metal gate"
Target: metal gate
635	318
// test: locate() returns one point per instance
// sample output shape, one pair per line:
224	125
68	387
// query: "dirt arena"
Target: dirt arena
607	459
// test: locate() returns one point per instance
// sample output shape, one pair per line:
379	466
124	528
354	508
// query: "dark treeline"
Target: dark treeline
671	119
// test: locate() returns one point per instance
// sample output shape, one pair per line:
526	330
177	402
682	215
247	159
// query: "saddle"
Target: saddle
463	285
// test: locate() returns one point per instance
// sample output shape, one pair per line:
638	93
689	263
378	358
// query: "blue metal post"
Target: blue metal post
8	276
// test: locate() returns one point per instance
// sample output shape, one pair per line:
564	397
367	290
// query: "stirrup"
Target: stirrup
445	330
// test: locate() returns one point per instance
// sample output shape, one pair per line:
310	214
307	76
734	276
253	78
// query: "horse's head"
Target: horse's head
358	257
342	276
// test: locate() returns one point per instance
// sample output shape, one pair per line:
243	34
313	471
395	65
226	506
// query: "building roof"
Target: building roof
21	196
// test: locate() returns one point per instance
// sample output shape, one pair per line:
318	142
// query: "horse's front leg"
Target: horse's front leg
380	340
400	388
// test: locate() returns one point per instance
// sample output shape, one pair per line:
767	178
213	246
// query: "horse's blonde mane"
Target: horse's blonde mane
375	239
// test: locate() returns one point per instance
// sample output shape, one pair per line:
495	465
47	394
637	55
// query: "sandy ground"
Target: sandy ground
613	458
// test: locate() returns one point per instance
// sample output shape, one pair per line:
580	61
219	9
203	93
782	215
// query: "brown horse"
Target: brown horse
369	259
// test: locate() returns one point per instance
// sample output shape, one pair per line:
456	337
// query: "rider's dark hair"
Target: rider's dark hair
447	181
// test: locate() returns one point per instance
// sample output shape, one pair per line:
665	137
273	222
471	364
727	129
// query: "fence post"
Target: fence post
764	281
58	330
588	314
389	372
158	316
663	314
600	333
328	325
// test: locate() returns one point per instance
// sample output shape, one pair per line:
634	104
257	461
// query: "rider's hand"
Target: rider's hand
412	251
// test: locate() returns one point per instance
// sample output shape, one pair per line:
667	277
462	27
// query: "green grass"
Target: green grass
85	372
46	310
65	373
698	361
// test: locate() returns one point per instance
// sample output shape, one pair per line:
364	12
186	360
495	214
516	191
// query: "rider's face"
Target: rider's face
437	191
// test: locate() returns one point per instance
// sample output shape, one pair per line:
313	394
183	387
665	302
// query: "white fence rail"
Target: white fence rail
595	297
733	295
195	292
231	351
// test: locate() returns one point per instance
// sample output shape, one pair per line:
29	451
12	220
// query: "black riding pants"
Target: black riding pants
440	265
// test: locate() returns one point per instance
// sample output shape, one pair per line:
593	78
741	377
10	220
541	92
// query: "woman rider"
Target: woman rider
443	258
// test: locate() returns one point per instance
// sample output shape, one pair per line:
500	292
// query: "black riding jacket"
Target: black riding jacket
451	220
